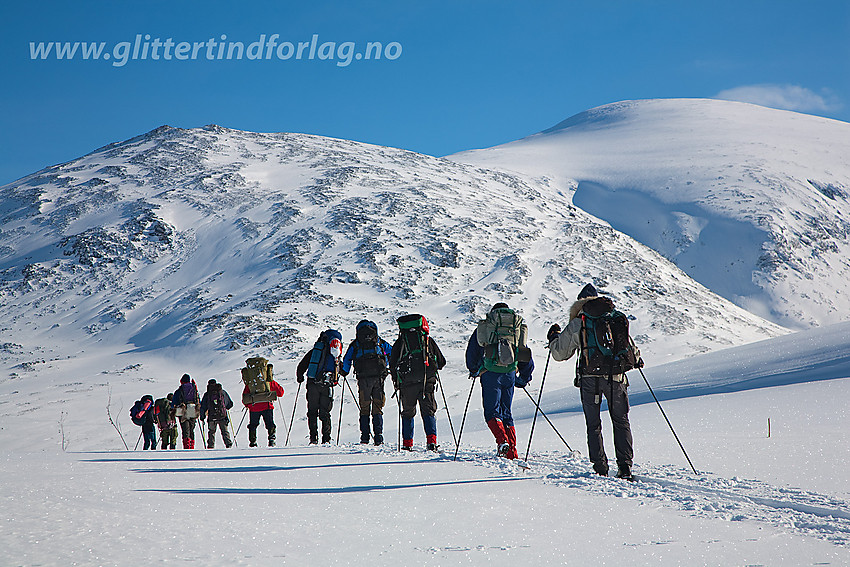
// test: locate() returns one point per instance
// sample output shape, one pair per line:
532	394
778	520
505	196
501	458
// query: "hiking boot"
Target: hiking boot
252	443
364	440
625	472
432	447
379	439
601	469
503	449
271	442
406	448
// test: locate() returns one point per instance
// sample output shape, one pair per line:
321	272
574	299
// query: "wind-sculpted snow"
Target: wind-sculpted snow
237	241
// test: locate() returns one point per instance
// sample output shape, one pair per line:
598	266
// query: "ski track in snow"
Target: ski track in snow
705	495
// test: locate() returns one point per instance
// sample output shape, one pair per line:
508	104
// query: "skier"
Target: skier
321	365
497	382
166	421
142	414
214	406
594	381
370	355
186	401
414	362
257	410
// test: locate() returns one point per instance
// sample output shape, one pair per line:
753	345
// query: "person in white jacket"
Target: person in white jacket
594	381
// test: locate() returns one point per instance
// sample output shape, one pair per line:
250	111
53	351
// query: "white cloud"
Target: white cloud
785	97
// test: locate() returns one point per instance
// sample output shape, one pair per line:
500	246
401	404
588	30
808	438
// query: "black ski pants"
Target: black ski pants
320	401
592	390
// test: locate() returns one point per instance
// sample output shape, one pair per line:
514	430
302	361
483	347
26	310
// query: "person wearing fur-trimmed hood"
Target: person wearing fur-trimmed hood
594	384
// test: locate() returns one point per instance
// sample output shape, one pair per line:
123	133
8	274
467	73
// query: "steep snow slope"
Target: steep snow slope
749	201
232	243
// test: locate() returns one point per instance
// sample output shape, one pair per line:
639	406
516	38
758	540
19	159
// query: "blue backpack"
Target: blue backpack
325	359
139	411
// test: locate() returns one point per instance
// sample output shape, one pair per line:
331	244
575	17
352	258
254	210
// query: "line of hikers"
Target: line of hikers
496	353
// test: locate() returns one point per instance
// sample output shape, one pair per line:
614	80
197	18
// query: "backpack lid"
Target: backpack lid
598	307
412	321
366	324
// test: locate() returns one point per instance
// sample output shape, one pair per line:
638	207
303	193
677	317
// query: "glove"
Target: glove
553	333
521	382
640	363
300	379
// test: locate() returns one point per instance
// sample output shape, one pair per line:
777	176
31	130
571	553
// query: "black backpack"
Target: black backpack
216	404
606	348
369	357
415	360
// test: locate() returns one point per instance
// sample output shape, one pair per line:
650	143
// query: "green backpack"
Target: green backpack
257	375
503	334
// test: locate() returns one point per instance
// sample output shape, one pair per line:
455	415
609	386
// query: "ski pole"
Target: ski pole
397	397
357	403
137	441
668	421
463	421
292	418
339	423
230	422
282	417
446	403
244	413
552	425
202	434
539	396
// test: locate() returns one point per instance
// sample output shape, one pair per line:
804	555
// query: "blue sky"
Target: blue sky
462	74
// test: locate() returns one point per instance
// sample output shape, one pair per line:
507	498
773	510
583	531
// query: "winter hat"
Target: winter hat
170	396
211	382
587	291
499	305
185	379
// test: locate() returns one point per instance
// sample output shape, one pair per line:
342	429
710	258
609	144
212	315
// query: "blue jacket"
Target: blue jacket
354	352
475	362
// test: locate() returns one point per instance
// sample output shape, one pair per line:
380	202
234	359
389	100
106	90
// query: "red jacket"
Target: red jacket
263	406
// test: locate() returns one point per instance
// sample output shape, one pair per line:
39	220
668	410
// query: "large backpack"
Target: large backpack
162	413
139	411
606	348
216	403
415	357
257	376
369	356
503	334
325	358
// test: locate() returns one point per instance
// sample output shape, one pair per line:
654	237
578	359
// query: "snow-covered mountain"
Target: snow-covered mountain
749	201
225	242
189	250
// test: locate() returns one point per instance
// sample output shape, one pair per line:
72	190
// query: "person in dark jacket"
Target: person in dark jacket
144	411
214	406
186	402
369	354
562	345
414	374
497	392
326	357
